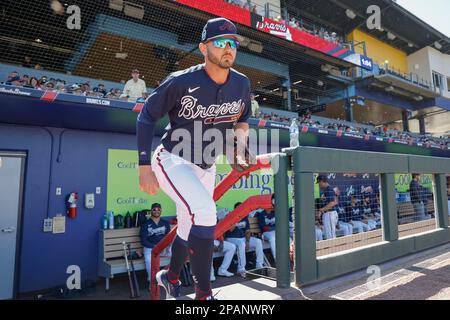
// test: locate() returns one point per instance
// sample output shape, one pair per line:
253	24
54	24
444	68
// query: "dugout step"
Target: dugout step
254	289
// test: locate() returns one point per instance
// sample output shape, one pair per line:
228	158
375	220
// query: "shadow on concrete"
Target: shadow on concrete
427	285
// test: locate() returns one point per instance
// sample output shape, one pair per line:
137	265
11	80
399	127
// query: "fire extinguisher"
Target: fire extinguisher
72	205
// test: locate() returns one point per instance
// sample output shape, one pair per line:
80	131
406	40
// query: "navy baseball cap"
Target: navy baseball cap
156	205
220	27
322	178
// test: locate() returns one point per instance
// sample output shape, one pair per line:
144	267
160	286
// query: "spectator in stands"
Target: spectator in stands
333	37
135	88
343	220
12	75
151	233
266	222
27	63
100	89
15	81
293	22
49	86
33	83
327	207
37	66
76	90
60	87
86	88
240	236
25	79
416	193
355	213
255	105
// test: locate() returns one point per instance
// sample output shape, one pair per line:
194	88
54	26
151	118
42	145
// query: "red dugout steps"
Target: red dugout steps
249	205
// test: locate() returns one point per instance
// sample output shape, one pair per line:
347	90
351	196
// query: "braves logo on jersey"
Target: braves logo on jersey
269	221
226	112
156	231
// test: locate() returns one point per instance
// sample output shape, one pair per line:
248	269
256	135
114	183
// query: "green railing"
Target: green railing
305	161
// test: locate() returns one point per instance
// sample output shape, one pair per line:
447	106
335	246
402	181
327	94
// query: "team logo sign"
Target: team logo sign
271	26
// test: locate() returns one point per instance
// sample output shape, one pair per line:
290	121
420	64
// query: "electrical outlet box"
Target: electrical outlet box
89	200
58	191
98	190
48	225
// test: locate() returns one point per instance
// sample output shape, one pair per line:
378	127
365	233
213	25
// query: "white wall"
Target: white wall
440	63
427	60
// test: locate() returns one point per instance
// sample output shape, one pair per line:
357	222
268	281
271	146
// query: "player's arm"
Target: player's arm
241	132
159	103
126	89
244	158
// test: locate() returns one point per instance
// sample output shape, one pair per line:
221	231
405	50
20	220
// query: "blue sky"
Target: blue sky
434	12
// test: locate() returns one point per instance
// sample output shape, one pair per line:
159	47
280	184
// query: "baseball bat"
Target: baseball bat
130	282
135	281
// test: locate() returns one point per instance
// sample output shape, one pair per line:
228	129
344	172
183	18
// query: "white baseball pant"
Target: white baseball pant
189	186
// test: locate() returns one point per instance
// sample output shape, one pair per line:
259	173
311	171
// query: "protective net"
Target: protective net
91	48
348	209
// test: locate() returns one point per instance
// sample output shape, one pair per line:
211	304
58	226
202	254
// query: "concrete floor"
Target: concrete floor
422	276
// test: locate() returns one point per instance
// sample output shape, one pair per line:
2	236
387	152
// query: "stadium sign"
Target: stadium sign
101	102
14	90
250	19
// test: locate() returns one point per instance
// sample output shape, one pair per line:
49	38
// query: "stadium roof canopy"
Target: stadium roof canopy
411	33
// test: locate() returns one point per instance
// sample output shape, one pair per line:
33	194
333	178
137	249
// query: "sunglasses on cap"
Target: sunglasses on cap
222	43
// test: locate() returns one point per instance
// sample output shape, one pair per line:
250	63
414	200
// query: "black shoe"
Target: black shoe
172	290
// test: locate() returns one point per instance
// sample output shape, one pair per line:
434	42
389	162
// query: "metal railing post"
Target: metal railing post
440	200
280	165
389	219
305	239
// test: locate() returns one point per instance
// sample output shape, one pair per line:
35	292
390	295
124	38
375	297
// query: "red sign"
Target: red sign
247	18
220	9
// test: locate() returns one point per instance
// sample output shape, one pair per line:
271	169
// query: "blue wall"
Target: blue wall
82	166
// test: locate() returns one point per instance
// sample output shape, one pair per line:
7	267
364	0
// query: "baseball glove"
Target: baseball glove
240	158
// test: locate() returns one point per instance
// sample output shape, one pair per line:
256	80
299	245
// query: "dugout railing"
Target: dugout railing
304	162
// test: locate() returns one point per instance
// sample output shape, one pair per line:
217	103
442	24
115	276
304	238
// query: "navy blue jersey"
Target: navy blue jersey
327	195
152	233
414	189
266	221
354	212
369	208
239	232
194	104
342	202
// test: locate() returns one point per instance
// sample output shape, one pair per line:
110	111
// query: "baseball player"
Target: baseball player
152	232
327	208
266	221
208	107
240	235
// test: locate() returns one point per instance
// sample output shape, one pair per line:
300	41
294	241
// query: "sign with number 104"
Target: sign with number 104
366	63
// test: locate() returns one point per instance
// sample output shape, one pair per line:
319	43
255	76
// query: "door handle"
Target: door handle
8	230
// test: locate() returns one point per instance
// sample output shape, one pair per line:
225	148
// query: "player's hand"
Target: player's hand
147	180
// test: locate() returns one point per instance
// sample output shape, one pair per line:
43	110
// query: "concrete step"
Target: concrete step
257	289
